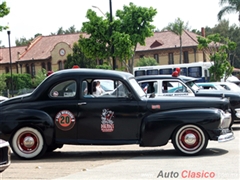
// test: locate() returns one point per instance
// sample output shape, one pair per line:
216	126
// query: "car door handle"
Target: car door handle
82	103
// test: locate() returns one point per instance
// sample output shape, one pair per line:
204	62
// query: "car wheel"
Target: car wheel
28	143
190	140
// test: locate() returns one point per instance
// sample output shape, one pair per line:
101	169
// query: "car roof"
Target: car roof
93	72
183	78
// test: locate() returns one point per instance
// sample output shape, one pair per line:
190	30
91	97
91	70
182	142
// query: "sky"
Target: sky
29	17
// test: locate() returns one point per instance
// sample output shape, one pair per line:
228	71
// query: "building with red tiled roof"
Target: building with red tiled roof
50	52
165	48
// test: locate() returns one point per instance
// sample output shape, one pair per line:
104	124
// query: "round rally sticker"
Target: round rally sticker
65	120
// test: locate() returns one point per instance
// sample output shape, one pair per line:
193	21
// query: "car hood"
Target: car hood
16	99
171	103
217	93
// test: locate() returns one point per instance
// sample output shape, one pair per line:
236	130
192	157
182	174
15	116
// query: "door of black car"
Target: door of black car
63	109
113	115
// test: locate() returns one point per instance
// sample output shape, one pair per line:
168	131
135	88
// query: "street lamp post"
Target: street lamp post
99	10
112	49
10	57
110	33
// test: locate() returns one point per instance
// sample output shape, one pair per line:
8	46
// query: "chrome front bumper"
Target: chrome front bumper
226	137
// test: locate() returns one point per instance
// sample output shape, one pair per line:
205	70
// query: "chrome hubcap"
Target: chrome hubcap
28	141
190	139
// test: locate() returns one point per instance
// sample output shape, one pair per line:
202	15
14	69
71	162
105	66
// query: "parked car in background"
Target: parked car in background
168	85
63	110
210	86
220	86
230	86
5	155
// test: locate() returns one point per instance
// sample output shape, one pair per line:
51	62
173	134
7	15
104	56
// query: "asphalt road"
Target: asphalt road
219	161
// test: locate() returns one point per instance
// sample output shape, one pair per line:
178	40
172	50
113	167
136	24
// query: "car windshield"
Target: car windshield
137	87
219	87
193	85
231	86
106	85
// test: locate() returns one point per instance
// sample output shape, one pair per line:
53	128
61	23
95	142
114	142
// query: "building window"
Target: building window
49	66
170	58
7	69
43	65
141	56
64	62
60	65
33	72
20	68
185	57
27	69
156	57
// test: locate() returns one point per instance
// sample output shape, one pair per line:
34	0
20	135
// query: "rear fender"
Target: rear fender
11	121
157	128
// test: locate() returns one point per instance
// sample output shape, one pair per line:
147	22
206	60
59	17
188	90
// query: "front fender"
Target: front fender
157	128
10	121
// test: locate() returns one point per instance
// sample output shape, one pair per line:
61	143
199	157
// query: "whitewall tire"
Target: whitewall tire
190	140
28	143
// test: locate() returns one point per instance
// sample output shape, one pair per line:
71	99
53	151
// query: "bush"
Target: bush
147	62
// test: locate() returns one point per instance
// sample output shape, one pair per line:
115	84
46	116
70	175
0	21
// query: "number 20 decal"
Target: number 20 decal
65	120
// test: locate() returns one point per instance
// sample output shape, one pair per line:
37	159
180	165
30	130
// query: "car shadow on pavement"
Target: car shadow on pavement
72	156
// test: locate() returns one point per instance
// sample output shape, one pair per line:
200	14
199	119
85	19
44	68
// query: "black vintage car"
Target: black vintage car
5	155
63	110
186	86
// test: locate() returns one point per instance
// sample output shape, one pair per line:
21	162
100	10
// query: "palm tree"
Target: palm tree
177	27
232	7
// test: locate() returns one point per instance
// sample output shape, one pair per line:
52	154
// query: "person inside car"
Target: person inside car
97	90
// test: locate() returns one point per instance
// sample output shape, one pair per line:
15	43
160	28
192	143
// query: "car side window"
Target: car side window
174	87
64	89
149	87
106	88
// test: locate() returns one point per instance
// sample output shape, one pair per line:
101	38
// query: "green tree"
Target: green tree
131	27
233	33
4	10
60	31
24	42
19	81
178	27
71	30
40	76
136	22
218	54
2	83
104	66
233	6
147	61
78	58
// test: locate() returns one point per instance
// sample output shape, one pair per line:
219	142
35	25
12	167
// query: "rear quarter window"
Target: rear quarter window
64	89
